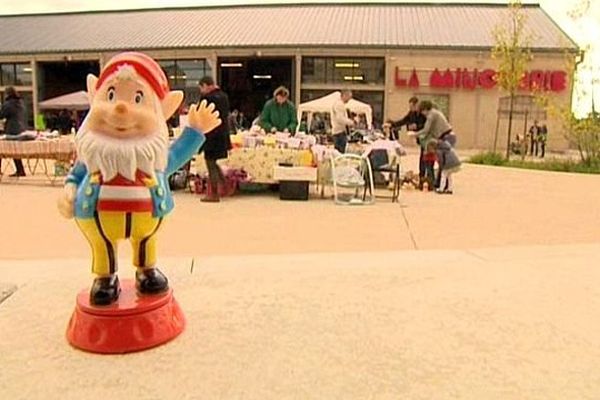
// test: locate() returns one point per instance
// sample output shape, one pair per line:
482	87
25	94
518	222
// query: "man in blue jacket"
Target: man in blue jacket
118	188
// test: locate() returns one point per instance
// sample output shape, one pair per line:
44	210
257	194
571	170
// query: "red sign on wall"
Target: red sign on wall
463	78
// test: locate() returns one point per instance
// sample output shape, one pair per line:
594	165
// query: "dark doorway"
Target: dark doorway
250	82
58	78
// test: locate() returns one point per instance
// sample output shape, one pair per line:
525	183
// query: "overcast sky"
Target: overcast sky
585	31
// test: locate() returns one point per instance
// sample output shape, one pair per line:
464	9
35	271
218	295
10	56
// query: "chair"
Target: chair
351	173
380	162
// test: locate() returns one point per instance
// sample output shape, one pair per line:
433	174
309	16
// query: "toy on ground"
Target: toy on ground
410	180
118	190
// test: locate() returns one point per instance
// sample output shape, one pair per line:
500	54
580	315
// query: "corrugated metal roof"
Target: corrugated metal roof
357	25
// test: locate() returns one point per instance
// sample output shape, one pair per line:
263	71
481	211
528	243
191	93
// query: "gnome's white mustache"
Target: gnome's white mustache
112	156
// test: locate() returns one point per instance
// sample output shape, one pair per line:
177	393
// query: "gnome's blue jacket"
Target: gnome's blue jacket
180	152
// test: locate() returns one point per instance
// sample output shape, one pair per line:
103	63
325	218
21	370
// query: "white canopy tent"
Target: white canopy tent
325	104
72	101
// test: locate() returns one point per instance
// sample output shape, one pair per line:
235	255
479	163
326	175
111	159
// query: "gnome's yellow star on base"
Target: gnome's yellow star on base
117	190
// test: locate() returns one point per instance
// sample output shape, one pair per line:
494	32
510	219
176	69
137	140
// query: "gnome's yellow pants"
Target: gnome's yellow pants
107	228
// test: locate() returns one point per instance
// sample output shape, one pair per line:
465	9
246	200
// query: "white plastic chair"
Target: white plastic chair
352	177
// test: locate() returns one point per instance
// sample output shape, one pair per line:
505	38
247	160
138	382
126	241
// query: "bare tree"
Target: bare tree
512	52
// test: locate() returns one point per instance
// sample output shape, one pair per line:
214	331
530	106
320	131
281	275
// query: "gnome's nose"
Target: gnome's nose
121	108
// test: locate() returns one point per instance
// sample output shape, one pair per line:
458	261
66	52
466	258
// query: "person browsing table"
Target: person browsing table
13	111
340	122
414	121
279	113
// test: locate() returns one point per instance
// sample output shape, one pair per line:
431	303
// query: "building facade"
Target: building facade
384	53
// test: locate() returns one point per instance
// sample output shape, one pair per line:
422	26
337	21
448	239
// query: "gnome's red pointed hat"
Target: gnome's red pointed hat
145	66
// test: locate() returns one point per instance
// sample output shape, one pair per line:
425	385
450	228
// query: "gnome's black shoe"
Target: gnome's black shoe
151	281
105	290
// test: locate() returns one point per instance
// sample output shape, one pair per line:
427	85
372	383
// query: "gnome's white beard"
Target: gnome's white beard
122	156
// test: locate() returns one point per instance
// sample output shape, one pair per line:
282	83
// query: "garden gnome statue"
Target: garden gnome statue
117	189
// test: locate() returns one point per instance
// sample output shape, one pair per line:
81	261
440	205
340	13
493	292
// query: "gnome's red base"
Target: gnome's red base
131	324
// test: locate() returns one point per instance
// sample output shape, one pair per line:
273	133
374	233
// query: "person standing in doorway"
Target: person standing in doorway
65	123
234	122
340	122
242	122
13	110
279	113
218	143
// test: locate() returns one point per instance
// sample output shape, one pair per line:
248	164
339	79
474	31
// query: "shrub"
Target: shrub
488	158
556	165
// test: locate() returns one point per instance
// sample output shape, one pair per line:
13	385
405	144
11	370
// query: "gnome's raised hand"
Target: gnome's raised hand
203	117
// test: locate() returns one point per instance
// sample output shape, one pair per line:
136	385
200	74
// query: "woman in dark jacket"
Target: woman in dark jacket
13	111
218	143
414	121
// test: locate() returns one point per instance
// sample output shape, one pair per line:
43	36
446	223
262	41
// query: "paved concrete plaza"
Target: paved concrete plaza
492	207
313	301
